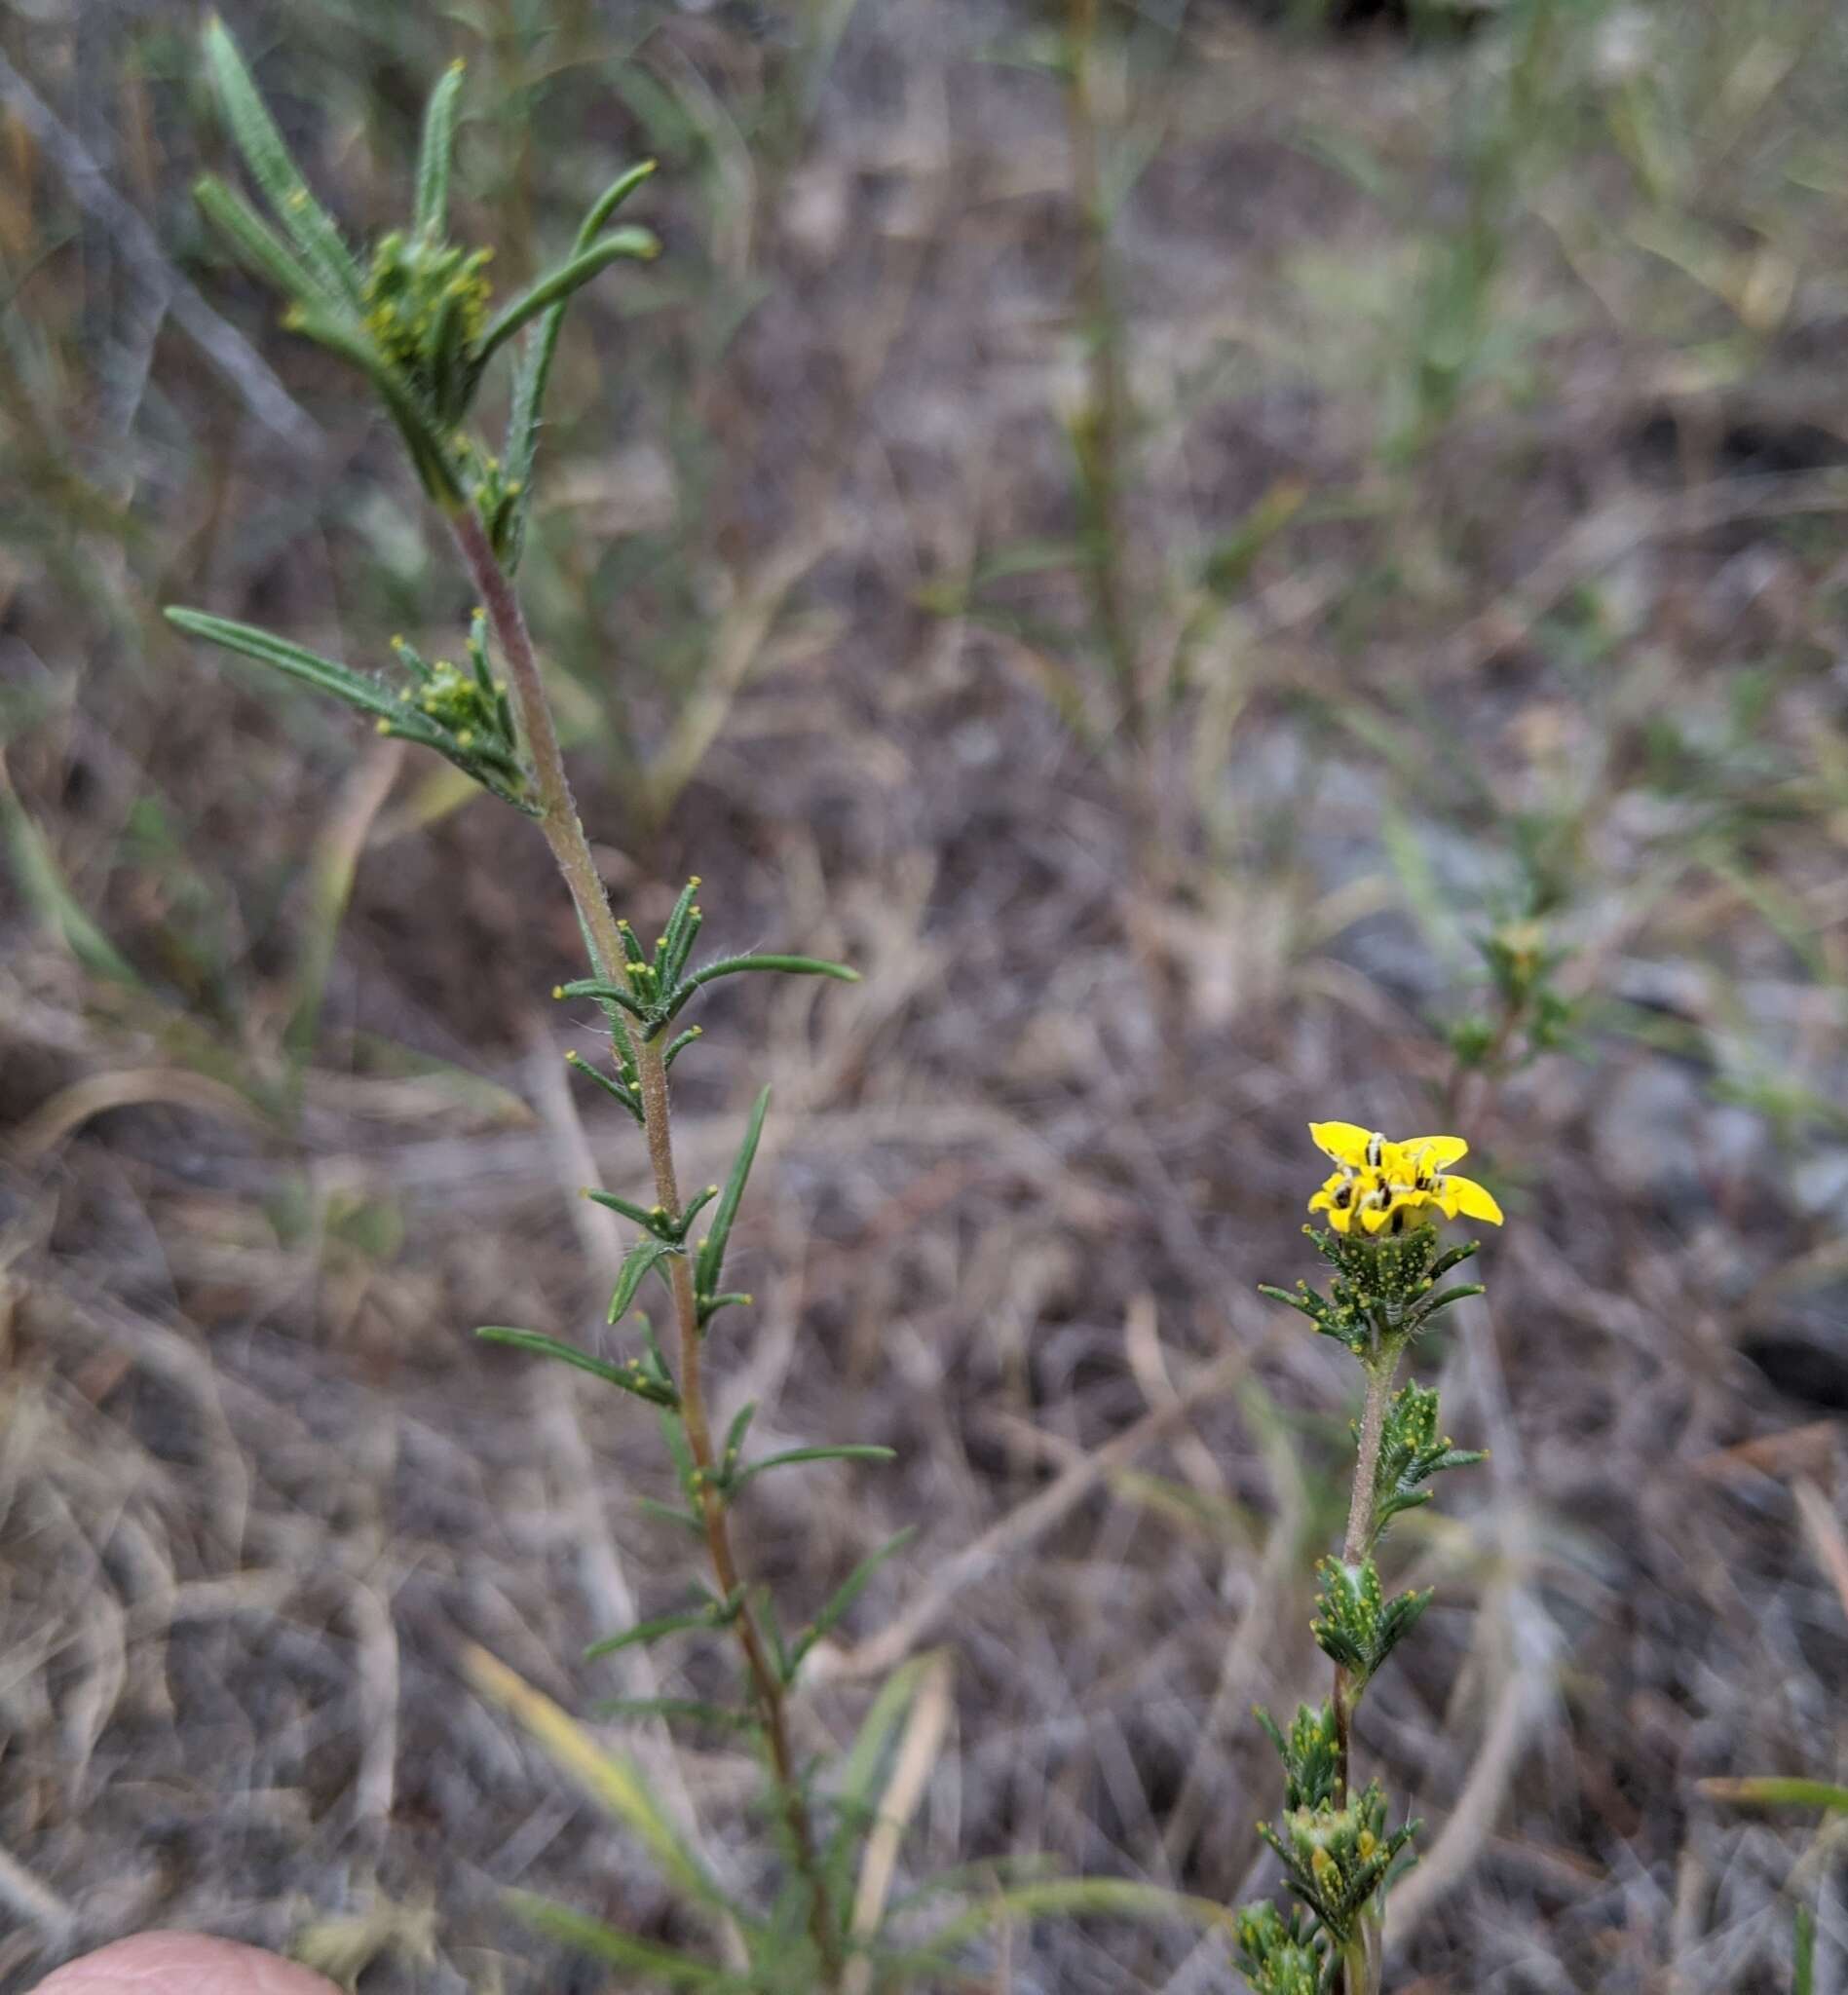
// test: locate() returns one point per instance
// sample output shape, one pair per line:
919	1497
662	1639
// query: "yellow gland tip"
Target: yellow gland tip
559	991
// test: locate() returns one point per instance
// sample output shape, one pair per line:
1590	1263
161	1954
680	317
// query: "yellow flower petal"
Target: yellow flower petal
1434	1153
1465	1195
1346	1142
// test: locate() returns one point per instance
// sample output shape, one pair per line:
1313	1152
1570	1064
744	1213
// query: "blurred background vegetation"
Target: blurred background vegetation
1244	562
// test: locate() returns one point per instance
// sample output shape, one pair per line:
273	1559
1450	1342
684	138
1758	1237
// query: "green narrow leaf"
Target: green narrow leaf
666	1513
711	1262
693	1207
611	199
641	1956
685	1710
652	1630
579	1065
604	993
786	965
848	1451
252	238
646	1252
324	674
436	151
768	1621
677	1046
533	375
1462	1292
675	927
630	1376
646	1216
739	1427
306	222
558	284
851	1589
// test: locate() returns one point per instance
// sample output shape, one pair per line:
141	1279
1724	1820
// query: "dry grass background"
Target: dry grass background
1552	347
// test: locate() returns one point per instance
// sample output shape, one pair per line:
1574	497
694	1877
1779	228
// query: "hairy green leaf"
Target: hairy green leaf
632	1377
254	239
710	1265
572	275
855	1585
324	674
438	149
849	1451
306	222
646	1252
709	1615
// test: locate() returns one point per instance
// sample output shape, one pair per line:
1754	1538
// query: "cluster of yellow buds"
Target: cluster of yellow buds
1384	1185
415	282
1336	1857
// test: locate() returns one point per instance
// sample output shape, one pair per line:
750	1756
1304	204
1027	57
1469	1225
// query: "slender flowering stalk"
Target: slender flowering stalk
417	323
570	849
1385	1201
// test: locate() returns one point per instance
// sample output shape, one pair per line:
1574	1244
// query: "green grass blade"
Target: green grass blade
711	1262
306	222
866	1758
1773	1791
662	1964
45	889
610	1776
435	154
1074	1898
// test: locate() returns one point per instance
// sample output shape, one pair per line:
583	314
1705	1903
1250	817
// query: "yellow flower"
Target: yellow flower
1385	1182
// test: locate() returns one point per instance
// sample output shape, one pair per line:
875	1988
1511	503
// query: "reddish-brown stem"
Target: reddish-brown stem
564	834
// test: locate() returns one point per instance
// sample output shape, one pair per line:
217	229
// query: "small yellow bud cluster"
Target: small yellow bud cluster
413	282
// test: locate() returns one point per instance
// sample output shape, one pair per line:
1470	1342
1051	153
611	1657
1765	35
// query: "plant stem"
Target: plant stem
558	820
1357	1975
767	1685
570	849
1103	420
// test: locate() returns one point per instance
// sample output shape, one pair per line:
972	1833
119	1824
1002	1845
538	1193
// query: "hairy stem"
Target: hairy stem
570	849
558	818
1358	1972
